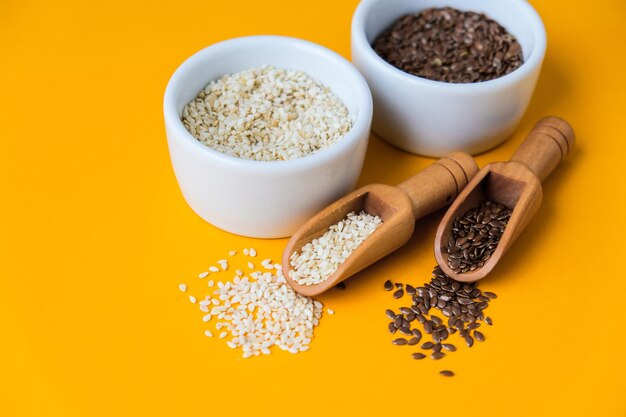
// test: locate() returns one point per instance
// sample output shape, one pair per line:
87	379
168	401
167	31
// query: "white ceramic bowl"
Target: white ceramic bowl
258	198
433	118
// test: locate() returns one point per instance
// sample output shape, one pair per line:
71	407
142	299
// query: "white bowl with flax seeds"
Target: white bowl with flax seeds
264	131
432	117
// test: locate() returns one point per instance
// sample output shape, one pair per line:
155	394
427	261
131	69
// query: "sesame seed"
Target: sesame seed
246	252
250	265
232	253
208	333
252	252
182	287
203	275
330	311
211	283
192	299
321	257
282	114
260	310
214	269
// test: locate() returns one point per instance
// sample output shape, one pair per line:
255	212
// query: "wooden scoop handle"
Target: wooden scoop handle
438	185
547	144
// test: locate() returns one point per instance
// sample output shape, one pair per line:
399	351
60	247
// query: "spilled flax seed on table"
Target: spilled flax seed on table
438	310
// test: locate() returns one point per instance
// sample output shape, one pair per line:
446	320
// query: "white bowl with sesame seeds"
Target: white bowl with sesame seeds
433	118
260	198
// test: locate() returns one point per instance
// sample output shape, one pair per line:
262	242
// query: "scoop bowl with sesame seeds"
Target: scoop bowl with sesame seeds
266	191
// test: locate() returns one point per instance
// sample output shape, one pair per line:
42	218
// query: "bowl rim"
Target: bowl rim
528	66
362	117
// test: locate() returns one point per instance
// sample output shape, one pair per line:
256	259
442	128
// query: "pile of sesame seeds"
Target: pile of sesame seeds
256	309
321	257
267	114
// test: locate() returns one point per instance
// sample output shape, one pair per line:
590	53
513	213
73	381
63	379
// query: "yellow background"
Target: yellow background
95	236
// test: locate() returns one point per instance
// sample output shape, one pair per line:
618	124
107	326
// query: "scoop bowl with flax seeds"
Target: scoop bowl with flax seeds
448	79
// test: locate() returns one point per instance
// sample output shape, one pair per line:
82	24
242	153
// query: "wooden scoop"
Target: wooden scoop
398	207
515	184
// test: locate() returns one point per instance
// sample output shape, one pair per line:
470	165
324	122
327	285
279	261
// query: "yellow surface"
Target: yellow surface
95	236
